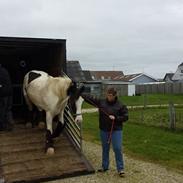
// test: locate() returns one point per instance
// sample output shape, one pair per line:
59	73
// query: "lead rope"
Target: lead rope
112	126
110	134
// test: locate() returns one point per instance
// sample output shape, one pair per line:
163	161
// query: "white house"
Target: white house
168	77
178	75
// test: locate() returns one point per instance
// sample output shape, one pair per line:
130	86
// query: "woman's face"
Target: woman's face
110	97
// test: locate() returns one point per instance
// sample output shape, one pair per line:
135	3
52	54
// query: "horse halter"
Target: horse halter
73	100
77	114
74	114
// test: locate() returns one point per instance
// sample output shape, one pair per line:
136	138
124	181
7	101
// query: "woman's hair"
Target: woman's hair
112	91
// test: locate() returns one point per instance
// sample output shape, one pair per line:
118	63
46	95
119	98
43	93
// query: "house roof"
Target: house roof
106	74
169	75
181	64
87	75
74	71
131	77
128	77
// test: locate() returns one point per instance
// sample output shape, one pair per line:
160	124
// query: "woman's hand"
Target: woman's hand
112	117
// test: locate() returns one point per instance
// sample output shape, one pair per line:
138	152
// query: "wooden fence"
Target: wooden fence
163	88
167	116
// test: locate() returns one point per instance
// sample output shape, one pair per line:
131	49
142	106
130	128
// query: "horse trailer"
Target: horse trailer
20	55
22	156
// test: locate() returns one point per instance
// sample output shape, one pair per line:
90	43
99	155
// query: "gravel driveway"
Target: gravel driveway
137	171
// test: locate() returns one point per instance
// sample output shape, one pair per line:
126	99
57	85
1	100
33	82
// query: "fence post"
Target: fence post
142	115
145	100
172	121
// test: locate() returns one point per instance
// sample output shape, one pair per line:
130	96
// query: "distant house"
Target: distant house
178	75
122	87
105	75
137	78
168	77
93	87
74	71
96	80
87	75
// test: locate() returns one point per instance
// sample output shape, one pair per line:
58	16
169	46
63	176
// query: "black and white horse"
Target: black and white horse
51	94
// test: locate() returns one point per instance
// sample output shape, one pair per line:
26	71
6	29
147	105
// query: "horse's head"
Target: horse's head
75	101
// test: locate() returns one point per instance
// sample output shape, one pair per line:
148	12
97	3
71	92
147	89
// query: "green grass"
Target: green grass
144	142
90	127
157	117
154	144
150	99
86	105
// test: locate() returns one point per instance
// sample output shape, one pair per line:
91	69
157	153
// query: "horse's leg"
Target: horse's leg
41	120
49	141
29	116
35	114
79	103
28	102
60	125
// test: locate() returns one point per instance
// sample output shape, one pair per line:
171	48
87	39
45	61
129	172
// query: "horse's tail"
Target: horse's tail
25	86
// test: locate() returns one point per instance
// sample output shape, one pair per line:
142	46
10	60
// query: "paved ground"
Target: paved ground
137	171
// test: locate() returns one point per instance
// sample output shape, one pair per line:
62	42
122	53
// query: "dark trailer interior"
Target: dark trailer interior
20	55
22	151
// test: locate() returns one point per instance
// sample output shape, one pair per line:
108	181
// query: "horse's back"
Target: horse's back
35	80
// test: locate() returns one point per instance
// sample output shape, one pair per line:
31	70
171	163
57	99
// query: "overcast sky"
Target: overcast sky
128	35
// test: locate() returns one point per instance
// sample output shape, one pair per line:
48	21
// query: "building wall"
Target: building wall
122	89
93	89
178	74
168	80
143	79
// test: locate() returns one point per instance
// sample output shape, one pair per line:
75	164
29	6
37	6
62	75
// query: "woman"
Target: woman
112	115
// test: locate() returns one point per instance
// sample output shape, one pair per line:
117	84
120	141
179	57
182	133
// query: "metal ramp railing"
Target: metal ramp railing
73	129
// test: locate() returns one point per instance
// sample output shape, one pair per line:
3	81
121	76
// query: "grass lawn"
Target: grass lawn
150	99
157	117
154	144
144	142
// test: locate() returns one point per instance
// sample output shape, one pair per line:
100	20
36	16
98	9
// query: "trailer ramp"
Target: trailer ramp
23	159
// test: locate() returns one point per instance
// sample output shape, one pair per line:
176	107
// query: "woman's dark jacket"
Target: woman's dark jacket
107	108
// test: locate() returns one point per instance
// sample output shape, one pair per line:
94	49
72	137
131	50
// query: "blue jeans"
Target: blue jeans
116	140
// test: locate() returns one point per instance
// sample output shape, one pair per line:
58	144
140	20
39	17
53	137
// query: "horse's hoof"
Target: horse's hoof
28	125
50	151
41	125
